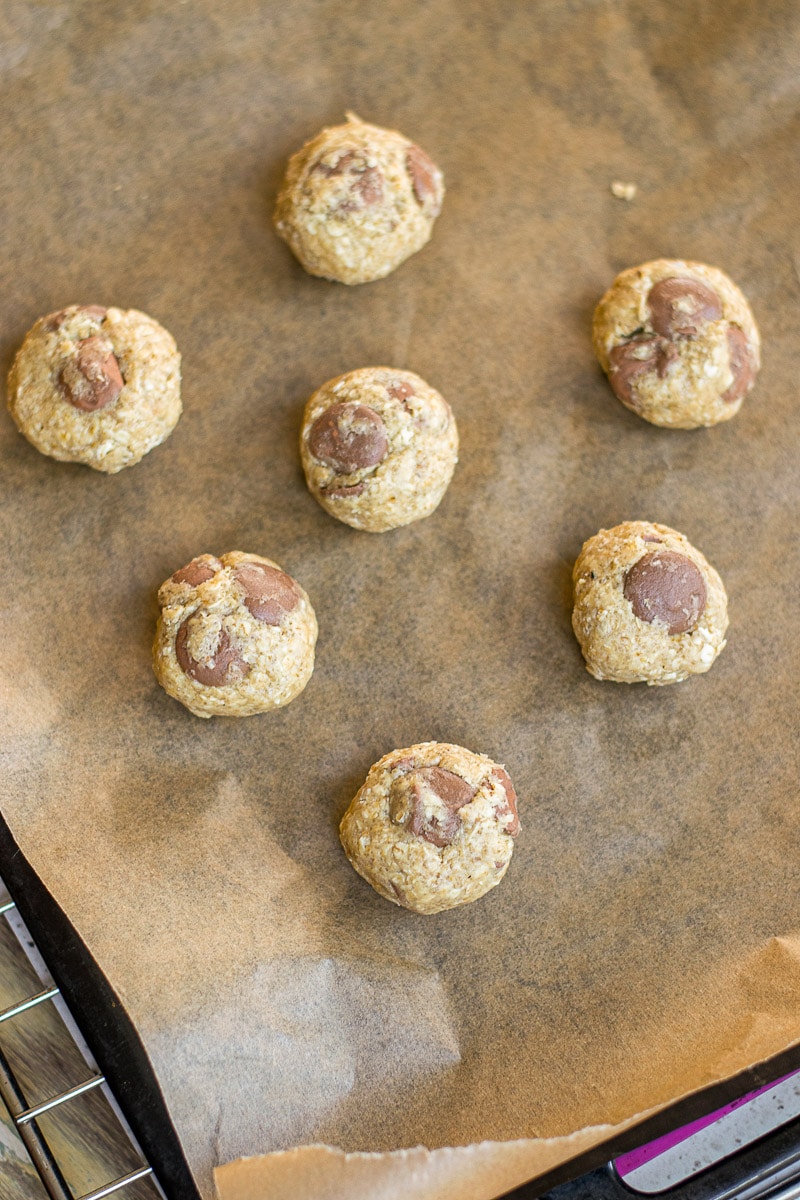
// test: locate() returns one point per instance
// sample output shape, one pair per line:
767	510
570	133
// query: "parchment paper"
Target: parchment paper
645	940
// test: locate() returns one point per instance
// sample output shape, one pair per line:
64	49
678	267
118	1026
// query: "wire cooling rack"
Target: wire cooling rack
51	1126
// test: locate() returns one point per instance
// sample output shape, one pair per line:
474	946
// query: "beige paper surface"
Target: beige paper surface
645	939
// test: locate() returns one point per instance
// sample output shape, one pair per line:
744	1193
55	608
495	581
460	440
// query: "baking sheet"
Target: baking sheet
645	940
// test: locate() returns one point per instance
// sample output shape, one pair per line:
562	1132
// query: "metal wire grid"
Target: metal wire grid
25	1116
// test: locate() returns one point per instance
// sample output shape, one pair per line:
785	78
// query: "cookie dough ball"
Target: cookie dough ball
432	827
235	637
378	447
648	607
678	342
98	386
357	201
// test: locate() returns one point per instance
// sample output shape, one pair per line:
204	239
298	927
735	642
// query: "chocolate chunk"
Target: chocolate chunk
741	363
198	570
366	186
679	307
57	319
269	594
338	168
422	172
510	806
369	186
348	437
404	764
648	537
667	587
344	490
223	667
668	354
636	357
91	380
401	391
452	790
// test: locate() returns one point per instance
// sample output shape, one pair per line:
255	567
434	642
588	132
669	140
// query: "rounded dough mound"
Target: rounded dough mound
96	386
235	637
433	826
378	447
678	342
648	607
357	201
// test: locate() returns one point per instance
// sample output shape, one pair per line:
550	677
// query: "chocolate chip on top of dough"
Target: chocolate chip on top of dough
743	366
432	827
348	437
199	570
364	182
427	801
357	201
56	320
221	663
507	805
638	356
666	587
91	378
426	179
235	637
645	615
678	342
378	447
680	307
95	385
269	593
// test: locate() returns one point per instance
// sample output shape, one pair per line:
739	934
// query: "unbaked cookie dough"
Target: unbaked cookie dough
357	201
379	447
94	385
648	607
678	342
432	827
235	637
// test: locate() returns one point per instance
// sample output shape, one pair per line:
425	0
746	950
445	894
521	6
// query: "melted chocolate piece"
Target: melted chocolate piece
366	182
452	790
667	587
223	667
510	805
401	391
91	380
57	319
348	437
344	490
269	594
199	570
741	363
422	172
679	307
338	167
368	186
636	357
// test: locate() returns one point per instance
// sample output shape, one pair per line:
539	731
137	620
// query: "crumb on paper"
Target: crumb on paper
623	191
